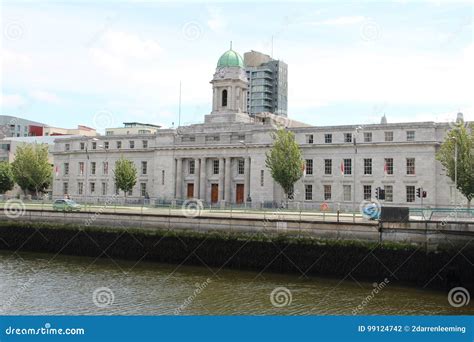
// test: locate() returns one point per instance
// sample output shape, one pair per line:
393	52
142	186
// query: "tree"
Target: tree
463	137
284	160
31	168
6	177
125	175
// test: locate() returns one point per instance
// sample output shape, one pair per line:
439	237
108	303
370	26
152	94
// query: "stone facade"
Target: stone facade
222	161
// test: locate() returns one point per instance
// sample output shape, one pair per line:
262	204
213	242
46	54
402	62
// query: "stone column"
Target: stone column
230	98
221	179
227	191
196	178
202	182
179	178
247	178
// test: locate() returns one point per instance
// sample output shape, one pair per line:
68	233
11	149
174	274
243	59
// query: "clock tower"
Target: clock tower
229	90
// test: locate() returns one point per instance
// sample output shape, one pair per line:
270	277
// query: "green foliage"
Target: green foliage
464	138
6	177
284	160
125	175
31	168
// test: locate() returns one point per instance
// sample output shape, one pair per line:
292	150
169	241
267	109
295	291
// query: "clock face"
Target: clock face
221	73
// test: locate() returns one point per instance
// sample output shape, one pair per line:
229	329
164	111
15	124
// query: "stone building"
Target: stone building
222	161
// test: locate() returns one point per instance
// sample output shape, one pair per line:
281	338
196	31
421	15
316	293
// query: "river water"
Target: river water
43	284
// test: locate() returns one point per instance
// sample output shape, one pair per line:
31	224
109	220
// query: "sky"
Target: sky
69	63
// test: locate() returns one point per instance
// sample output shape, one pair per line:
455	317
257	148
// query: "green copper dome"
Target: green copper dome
230	59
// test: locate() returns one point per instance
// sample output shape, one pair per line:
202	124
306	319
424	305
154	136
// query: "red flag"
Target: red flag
57	170
385	168
342	167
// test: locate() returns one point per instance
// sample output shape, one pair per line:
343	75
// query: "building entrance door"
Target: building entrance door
214	193
190	190
239	193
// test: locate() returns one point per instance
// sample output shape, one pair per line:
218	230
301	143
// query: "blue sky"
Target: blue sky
96	63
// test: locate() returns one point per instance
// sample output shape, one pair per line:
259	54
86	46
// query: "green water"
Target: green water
44	284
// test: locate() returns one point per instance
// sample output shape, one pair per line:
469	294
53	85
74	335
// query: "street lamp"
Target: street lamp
455	177
354	139
247	167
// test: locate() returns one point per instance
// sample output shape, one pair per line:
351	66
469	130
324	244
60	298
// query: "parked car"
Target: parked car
66	205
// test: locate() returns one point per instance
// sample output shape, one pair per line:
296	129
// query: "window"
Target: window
162	177
224	98
81	168
82	146
327	192
410	166
410	193
309	138
367	166
367	136
143	189
109	133
67	147
65	188
241	167
104	189
192	167
347	192
309	166
388	193
105	168
94	145
213	138
367	192
347	166
80	188
144	167
145	143
328	138
389	136
308	192
347	137
262	179
106	145
215	166
119	144
327	166
388	167
66	169
93	168
131	144
410	135
92	187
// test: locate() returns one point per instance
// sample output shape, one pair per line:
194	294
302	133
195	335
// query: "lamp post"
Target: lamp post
455	177
354	139
247	167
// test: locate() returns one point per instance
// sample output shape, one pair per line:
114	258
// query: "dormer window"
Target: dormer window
224	98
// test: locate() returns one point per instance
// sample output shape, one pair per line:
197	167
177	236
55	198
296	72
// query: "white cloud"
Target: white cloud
11	100
44	96
216	19
341	21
